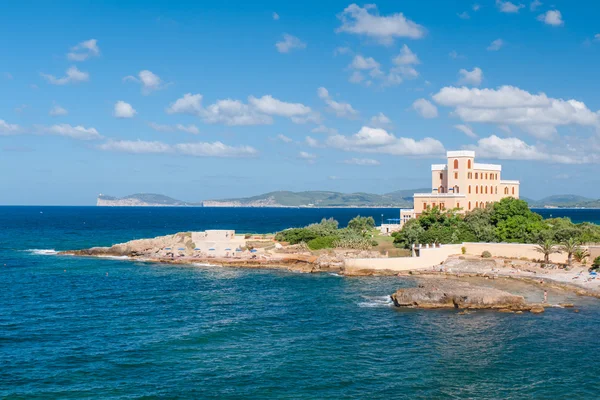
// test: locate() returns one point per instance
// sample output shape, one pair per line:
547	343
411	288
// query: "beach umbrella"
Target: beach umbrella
211	249
181	248
167	248
253	251
238	249
196	248
228	249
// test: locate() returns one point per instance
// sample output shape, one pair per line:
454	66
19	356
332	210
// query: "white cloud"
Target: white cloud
197	149
597	37
496	45
362	63
149	81
124	110
215	149
471	77
377	140
8	129
551	17
384	29
425	108
289	43
342	50
362	161
188	104
406	57
284	138
271	106
57	111
380	120
307	156
356	77
454	54
536	114
275	16
476	7
515	149
508	7
191	128
464	15
339	109
75	132
258	111
534	5
311	142
84	50
73	75
233	112
135	146
467	130
324	129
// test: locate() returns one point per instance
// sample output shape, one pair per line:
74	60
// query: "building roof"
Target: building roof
439	167
502	182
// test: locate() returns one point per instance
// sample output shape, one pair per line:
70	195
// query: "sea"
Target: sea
85	328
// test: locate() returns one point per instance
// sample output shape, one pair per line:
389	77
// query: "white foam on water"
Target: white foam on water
42	252
115	257
378	301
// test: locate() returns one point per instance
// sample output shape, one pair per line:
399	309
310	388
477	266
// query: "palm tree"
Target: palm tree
581	254
569	246
547	247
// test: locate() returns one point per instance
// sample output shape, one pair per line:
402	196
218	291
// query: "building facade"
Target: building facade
462	184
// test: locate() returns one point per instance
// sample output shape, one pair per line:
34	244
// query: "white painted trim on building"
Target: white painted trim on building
460	153
510	182
487	167
439	167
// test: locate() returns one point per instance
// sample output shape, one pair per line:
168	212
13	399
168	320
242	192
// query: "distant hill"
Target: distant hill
400	198
396	199
564	200
141	200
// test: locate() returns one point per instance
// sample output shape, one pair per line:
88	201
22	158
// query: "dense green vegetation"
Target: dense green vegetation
327	234
509	220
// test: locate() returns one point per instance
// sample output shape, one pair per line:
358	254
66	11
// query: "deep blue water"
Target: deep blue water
100	328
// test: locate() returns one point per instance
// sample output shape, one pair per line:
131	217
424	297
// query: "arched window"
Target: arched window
469	205
486	175
486	190
424	206
496	189
455	164
441	189
441	176
469	164
469	189
505	190
513	191
476	204
476	175
476	189
456	189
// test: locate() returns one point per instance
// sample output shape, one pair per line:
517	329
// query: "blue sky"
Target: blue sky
202	100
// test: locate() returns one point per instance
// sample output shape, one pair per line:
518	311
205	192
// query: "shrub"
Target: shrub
325	242
463	250
596	263
486	254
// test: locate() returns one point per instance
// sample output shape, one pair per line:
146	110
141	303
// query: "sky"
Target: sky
206	100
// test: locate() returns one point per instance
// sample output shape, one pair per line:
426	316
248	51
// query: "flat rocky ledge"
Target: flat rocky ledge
456	294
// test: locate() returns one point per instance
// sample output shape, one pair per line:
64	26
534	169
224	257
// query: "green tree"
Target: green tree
361	224
547	248
569	246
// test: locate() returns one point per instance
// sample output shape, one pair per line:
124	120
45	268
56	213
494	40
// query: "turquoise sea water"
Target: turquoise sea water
104	328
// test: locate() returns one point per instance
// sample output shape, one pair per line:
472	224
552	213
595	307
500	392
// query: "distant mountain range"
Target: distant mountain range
397	199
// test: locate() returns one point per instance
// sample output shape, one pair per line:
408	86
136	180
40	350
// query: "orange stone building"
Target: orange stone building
463	184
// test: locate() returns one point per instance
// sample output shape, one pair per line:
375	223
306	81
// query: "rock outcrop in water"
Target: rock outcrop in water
451	293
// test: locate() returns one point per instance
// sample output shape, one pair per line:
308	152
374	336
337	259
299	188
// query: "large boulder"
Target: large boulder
452	293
